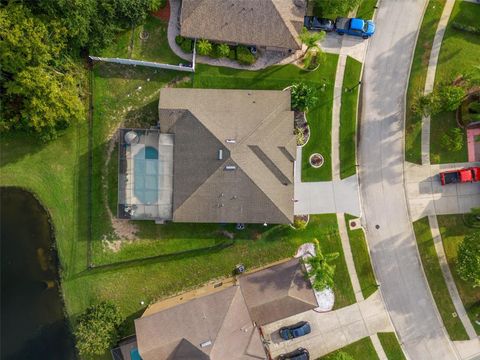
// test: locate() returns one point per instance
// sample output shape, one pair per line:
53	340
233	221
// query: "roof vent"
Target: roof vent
206	343
230	167
220	154
230	141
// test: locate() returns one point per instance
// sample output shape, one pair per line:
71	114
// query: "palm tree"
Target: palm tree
313	53
204	47
321	272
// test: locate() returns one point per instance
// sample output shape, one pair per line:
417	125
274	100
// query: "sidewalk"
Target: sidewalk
430	80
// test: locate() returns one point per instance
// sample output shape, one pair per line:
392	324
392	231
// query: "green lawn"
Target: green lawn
361	258
391	346
432	269
279	77
418	74
459	54
360	350
453	231
366	9
348	118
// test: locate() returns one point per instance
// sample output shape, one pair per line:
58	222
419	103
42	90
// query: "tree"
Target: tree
453	140
42	100
468	259
313	55
97	328
204	47
321	271
303	97
310	39
334	8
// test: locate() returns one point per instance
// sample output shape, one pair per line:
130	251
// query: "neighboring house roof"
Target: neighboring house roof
277	292
204	122
273	23
179	332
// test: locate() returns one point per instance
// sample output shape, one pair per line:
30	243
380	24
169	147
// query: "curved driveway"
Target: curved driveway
381	155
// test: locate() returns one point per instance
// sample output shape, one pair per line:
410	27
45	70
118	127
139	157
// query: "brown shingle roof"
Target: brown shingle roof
273	23
260	188
277	292
178	332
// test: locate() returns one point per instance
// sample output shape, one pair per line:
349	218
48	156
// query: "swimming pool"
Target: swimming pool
146	175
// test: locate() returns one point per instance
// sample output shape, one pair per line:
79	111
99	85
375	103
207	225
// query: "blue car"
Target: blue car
295	331
355	27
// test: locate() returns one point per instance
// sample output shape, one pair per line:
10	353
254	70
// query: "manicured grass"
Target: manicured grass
348	118
453	231
361	258
459	54
155	47
366	9
391	346
277	78
360	350
418	74
437	284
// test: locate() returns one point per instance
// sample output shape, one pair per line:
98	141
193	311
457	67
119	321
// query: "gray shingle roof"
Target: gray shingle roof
277	292
178	332
260	188
273	23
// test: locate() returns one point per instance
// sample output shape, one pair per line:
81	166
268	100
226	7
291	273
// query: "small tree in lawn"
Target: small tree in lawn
453	140
204	47
313	55
303	97
97	328
321	271
468	259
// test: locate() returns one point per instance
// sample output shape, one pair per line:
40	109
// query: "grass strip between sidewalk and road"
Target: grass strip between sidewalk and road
418	75
453	230
361	258
436	281
391	346
362	349
348	118
366	9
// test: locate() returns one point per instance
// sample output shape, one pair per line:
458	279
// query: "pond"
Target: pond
33	325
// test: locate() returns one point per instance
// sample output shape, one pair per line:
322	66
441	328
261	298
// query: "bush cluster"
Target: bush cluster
244	56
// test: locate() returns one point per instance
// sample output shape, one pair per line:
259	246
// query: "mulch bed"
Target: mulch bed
163	13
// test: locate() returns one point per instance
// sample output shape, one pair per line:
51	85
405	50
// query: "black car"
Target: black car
314	23
294	331
299	354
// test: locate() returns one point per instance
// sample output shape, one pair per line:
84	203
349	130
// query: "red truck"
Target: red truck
471	174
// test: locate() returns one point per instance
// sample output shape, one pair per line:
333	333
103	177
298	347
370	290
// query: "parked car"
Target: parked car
467	175
315	23
299	354
295	331
355	27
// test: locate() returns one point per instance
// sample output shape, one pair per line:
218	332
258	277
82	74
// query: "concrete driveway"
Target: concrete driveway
331	330
426	195
381	158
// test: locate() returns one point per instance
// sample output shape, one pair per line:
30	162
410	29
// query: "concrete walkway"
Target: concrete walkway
447	275
337	104
430	80
332	330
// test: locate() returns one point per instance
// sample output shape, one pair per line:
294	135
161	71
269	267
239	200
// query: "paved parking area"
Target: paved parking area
331	330
345	45
426	196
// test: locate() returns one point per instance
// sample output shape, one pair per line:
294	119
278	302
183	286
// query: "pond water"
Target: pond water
32	319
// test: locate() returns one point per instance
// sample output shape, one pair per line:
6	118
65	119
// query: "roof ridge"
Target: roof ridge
288	24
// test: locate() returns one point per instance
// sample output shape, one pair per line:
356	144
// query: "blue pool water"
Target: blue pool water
146	175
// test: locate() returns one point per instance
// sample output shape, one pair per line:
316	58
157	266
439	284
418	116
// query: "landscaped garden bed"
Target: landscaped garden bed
316	160
302	130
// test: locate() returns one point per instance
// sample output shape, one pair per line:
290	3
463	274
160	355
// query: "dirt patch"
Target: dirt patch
177	81
163	13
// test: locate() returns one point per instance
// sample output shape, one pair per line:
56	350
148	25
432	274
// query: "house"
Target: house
222	324
218	156
266	24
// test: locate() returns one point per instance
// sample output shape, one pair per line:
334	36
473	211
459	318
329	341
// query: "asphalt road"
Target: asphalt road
381	155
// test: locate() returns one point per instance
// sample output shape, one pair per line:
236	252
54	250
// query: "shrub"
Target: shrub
300	222
451	97
244	56
468	260
223	50
204	47
232	55
467	28
303	97
453	141
179	39
321	269
187	45
98	328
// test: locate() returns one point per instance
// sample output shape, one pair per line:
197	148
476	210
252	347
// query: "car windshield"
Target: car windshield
365	26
